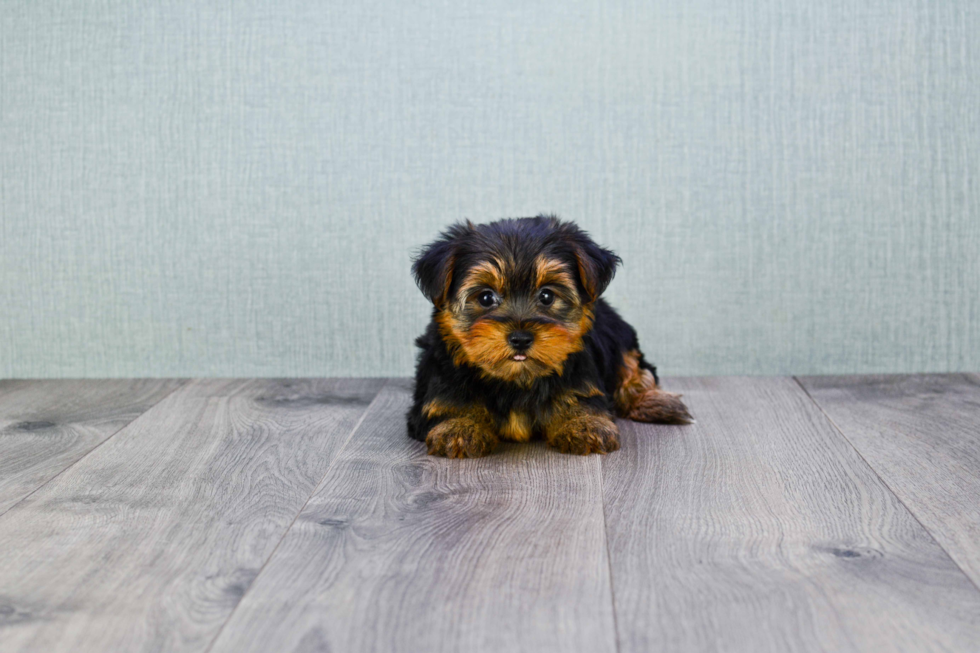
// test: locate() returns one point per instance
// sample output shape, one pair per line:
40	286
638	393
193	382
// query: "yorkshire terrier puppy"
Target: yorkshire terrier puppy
521	344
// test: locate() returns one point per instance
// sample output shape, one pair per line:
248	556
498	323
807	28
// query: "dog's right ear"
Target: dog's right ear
433	267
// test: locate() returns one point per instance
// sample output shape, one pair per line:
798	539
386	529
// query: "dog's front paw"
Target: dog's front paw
460	437
583	434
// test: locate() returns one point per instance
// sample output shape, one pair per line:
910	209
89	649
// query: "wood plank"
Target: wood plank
150	541
400	551
45	426
759	528
921	434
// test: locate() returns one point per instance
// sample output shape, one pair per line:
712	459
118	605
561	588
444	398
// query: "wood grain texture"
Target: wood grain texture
399	551
45	426
921	434
759	528
149	542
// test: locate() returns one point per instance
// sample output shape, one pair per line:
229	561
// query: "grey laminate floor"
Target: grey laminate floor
813	514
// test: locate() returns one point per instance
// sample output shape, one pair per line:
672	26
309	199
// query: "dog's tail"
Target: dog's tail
639	398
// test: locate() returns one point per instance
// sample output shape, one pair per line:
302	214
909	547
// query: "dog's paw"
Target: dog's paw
584	434
460	437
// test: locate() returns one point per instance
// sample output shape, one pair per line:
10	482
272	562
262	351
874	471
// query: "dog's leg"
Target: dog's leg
580	429
462	432
639	398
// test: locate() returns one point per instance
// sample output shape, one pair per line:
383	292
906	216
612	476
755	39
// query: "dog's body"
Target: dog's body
520	343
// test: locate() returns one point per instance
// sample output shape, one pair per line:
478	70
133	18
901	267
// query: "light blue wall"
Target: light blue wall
207	188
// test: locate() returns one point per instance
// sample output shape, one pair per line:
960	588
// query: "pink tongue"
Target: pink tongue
520	357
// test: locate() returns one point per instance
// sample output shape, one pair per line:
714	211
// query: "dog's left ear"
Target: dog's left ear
433	267
596	265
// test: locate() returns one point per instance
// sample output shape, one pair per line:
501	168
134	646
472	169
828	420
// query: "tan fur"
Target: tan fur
640	399
450	265
589	391
554	272
486	273
578	429
517	428
586	271
469	433
485	346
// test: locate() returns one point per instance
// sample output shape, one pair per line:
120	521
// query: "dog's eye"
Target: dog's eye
486	298
546	297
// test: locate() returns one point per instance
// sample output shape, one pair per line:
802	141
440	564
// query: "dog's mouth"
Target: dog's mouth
519	357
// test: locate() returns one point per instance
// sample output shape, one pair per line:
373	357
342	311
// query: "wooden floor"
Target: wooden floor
811	514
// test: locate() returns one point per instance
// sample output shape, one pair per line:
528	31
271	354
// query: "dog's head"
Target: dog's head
514	297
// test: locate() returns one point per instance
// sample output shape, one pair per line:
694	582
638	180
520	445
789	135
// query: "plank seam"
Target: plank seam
285	532
605	533
884	482
181	384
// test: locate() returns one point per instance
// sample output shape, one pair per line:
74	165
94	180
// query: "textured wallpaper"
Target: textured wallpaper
236	189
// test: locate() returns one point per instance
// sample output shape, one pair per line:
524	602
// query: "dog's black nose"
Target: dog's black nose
520	340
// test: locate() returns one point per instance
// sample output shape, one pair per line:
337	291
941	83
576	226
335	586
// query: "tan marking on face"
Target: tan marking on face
486	343
517	428
585	322
483	343
553	343
484	274
554	272
485	346
451	335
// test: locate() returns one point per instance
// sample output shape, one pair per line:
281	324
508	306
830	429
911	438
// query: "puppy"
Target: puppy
521	344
